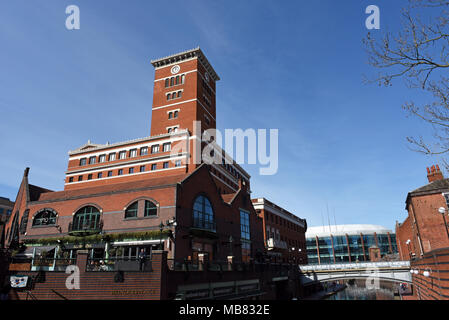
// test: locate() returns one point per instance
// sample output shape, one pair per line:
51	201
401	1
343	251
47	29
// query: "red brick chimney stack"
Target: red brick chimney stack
434	174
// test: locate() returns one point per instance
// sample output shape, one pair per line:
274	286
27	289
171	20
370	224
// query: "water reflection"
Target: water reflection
361	293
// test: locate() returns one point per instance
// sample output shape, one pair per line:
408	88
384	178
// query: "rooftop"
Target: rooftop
343	229
178	57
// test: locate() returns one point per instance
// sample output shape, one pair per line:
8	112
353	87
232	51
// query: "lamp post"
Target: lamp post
442	210
231	240
408	246
161	228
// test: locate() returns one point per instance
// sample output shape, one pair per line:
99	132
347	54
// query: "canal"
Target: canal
360	292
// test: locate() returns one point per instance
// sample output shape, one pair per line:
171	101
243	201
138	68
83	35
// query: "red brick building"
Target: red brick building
150	193
423	237
284	232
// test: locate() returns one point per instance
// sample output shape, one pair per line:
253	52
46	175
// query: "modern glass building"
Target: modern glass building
347	243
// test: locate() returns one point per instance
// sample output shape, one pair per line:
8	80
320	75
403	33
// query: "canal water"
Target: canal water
355	292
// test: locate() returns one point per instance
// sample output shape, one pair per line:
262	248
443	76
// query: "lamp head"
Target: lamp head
442	210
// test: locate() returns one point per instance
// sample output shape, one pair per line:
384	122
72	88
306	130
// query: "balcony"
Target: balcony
85	228
276	244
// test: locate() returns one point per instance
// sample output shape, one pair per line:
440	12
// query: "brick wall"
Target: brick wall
436	285
99	285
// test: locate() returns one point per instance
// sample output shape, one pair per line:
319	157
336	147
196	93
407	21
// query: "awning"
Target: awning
136	242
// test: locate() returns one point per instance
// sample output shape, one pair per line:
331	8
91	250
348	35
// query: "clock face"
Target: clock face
206	76
175	69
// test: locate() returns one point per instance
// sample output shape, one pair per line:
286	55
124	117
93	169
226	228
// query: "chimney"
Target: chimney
434	174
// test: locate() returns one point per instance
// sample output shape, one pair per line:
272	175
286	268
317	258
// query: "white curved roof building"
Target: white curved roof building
343	229
348	243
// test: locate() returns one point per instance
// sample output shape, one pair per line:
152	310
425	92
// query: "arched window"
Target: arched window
171	81
173	96
167	82
45	217
150	209
179	94
168	96
86	218
203	214
183	77
177	80
131	211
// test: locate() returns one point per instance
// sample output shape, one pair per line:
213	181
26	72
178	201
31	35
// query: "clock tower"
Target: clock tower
184	92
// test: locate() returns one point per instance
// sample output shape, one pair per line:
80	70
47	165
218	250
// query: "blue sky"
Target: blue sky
296	66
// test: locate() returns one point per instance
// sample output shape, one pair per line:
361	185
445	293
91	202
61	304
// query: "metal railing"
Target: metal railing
118	264
204	224
359	265
86	226
52	264
223	266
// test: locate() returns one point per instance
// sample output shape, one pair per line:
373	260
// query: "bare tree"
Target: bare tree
419	54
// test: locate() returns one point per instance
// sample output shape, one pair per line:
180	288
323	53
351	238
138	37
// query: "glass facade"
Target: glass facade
348	248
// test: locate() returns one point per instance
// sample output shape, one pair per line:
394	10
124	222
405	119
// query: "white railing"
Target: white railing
359	265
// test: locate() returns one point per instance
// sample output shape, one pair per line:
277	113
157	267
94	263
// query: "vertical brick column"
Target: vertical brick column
81	260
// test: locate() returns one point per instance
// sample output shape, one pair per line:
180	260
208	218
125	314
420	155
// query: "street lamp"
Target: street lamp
161	228
408	246
442	210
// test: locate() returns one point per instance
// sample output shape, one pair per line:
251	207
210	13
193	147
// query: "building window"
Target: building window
102	158
80	178
170	115
150	209
70	179
183	77
203	214
143	151
45	217
179	94
131	211
89	176
177	163
133	153
167	83
153	166
173	95
100	175
177	80
87	218
168	96
172	81
120	172
109	173
175	114
92	160
83	161
122	155
166	147
111	157
155	148
165	165
244	225
142	168
131	170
